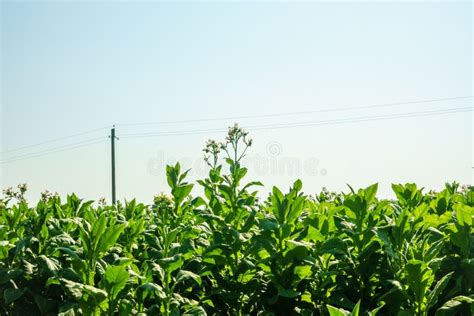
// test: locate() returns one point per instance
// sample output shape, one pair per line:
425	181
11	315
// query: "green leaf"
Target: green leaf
51	265
439	287
171	236
419	277
464	214
334	246
268	224
295	209
287	293
334	311
28	267
371	192
297	250
240	174
11	295
252	183
150	289
171	264
450	307
157	269
6	276
115	278
315	234
303	272
172	174
126	307
95	298
297	185
74	289
70	252
109	238
184	275
375	311
99	226
195	311
69	312
181	192
98	294
355	311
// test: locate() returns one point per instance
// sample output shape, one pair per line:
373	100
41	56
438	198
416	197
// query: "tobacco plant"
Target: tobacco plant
236	251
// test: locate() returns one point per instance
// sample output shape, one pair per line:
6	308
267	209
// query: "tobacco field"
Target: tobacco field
232	252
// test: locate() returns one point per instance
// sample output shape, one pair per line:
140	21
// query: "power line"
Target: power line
383	105
57	147
55	150
237	118
308	123
98	140
257	127
50	152
52	140
373	118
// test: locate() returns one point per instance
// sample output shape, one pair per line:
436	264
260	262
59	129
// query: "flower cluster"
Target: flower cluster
236	133
47	195
8	192
466	188
212	147
163	201
102	201
211	152
232	140
22	187
326	196
11	193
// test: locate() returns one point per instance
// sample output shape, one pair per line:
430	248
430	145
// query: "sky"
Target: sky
71	70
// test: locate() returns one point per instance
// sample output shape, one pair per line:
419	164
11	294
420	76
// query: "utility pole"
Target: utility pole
112	146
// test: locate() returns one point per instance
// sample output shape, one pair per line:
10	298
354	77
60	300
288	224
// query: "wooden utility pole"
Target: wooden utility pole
112	146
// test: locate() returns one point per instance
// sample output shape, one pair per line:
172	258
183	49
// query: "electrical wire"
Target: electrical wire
307	123
339	109
60	147
55	150
254	127
53	140
374	118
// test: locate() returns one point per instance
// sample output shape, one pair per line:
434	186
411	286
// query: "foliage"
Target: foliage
230	253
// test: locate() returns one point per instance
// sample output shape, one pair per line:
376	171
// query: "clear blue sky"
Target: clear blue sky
73	67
